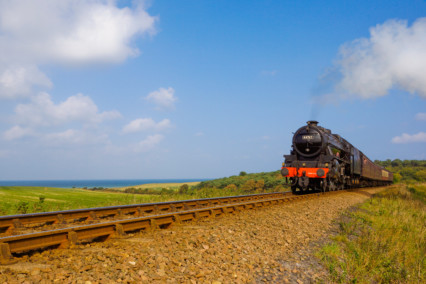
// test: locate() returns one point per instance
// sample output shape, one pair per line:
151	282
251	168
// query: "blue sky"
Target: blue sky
203	89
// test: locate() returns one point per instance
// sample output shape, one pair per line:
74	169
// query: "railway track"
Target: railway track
25	223
142	217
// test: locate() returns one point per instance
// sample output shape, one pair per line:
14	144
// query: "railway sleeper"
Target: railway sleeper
100	232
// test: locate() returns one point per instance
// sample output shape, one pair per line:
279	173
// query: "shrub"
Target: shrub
249	186
260	185
231	187
184	189
22	207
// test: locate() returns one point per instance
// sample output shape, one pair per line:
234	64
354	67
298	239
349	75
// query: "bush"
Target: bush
263	182
22	207
231	187
249	186
184	189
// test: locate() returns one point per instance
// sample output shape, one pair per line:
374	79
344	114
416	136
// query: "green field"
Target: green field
19	199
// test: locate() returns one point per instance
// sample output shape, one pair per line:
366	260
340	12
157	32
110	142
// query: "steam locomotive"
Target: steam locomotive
323	161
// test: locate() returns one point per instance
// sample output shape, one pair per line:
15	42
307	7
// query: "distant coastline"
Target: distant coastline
105	183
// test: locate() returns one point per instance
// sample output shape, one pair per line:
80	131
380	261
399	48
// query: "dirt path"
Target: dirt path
272	244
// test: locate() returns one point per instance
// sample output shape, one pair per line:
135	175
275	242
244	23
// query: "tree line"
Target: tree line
408	171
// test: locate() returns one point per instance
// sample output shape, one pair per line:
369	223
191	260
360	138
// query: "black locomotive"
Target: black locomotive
320	160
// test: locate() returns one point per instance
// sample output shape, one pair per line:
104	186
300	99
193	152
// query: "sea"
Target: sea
105	183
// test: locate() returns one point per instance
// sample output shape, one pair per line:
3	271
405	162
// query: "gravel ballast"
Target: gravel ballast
271	244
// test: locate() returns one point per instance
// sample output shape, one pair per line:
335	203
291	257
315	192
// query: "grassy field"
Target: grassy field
381	241
19	200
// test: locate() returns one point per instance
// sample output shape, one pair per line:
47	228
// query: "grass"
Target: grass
25	199
382	241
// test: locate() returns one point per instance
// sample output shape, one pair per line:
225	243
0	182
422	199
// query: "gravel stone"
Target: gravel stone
274	244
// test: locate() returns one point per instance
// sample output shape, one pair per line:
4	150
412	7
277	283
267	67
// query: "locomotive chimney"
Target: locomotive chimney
312	123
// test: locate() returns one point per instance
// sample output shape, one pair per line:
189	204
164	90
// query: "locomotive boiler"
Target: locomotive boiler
321	160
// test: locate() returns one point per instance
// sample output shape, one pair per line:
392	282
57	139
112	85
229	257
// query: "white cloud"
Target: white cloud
41	116
421	116
393	57
18	81
18	132
163	98
149	143
42	111
143	124
407	138
73	136
71	31
66	32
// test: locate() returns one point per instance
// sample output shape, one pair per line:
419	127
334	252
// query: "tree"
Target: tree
396	177
242	174
386	163
396	163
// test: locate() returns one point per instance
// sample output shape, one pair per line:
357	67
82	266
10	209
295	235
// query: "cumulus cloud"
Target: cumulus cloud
407	138
18	81
18	132
66	32
394	56
148	143
41	116
71	31
143	124
421	116
42	111
163	98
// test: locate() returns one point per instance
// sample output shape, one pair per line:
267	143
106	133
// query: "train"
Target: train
323	161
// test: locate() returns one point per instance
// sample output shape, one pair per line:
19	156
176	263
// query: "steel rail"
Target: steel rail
11	222
63	238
